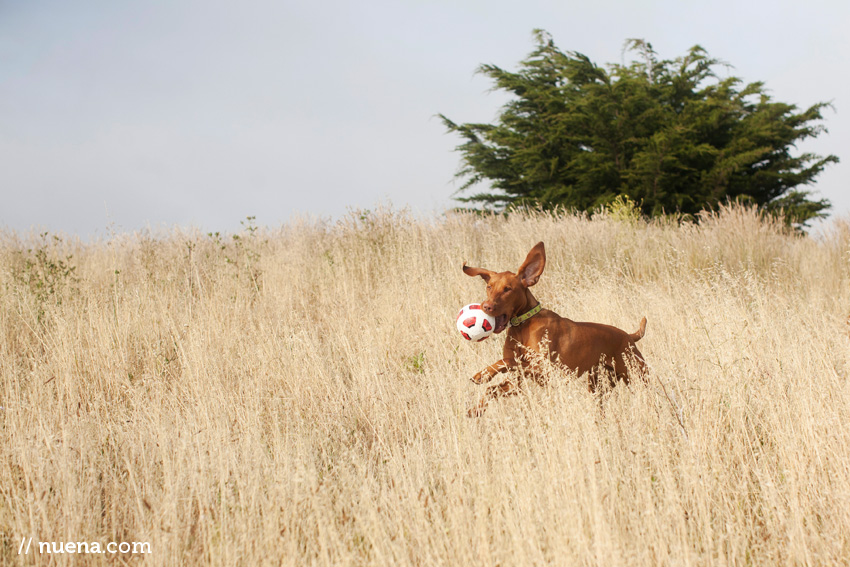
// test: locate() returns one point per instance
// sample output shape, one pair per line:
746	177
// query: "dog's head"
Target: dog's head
506	291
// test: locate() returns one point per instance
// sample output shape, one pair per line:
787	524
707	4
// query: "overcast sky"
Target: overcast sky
131	115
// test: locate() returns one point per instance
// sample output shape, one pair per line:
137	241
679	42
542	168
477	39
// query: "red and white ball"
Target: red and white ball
473	324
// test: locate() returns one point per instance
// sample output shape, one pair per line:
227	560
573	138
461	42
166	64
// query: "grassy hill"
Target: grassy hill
298	396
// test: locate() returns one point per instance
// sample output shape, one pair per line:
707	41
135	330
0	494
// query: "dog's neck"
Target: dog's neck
530	303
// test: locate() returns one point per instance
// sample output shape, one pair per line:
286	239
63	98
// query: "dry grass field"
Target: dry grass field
298	396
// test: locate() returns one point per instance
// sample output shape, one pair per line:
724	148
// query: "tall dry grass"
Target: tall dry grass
298	396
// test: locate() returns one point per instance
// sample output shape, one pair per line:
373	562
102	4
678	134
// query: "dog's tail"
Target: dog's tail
638	335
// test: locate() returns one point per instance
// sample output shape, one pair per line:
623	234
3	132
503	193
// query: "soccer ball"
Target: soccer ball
473	324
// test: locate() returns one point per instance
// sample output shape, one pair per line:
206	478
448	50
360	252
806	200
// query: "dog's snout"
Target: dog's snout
487	307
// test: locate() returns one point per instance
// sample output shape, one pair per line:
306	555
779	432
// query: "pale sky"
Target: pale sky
126	115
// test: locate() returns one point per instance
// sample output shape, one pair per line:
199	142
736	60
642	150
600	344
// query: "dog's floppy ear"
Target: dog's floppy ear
533	266
470	271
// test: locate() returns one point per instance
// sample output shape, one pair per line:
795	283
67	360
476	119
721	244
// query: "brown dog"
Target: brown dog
582	347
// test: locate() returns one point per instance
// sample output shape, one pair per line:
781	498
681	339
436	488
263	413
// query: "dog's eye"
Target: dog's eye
489	287
507	289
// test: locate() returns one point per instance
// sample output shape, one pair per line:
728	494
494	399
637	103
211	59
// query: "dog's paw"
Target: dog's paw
478	378
476	411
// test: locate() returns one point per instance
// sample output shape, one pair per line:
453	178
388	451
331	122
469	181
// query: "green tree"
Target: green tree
672	136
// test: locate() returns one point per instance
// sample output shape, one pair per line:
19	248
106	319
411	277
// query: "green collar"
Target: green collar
517	321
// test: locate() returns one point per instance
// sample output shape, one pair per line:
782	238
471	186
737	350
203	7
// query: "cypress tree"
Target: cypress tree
672	136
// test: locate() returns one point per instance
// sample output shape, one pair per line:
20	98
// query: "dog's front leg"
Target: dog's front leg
506	388
487	374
